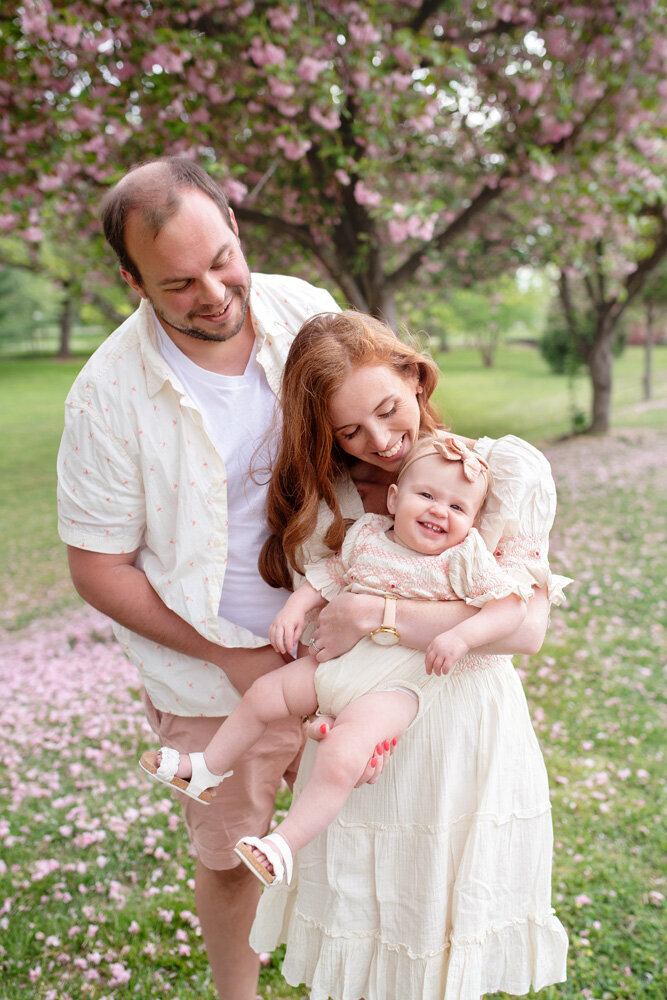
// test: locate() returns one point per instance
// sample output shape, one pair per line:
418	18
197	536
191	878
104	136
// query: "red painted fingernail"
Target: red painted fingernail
373	762
323	729
378	748
394	742
386	744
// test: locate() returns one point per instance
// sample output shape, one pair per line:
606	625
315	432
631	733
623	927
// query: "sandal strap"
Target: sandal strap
279	854
202	778
168	764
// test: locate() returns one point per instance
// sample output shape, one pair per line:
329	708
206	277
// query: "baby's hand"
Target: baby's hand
285	631
443	652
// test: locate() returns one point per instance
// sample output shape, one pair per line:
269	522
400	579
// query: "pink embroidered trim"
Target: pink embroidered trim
519	550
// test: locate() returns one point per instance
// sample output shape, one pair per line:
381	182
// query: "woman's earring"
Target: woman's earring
420	388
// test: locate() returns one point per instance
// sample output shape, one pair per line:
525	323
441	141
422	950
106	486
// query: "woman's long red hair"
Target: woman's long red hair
310	460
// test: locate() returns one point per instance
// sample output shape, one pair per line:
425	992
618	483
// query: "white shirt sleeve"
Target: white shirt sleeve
101	502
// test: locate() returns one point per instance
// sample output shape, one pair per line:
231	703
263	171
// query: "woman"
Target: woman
434	882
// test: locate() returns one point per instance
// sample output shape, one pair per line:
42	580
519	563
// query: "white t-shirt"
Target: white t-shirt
242	418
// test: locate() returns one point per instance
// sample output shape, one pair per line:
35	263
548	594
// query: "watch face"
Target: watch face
385	637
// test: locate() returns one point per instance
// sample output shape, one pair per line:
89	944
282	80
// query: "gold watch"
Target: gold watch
387	633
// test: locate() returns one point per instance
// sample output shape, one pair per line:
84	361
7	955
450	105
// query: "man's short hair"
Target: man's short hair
154	189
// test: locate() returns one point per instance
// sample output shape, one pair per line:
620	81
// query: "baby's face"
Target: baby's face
434	505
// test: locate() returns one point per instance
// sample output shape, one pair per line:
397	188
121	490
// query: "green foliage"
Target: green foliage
484	315
558	348
566	349
29	305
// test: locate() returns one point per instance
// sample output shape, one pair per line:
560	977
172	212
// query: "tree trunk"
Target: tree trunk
488	355
600	362
65	322
648	352
384	307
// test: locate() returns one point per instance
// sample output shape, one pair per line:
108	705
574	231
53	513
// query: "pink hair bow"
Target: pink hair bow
456	451
449	448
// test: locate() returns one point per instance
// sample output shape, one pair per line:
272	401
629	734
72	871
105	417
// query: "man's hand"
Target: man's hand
443	652
244	666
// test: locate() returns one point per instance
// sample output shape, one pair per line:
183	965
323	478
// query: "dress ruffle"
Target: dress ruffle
510	958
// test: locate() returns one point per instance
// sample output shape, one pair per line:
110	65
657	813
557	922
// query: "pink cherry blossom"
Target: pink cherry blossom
364	195
265	53
329	121
293	149
309	69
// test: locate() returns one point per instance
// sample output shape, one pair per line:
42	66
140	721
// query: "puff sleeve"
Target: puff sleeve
519	512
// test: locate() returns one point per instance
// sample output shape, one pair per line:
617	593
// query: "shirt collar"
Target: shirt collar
156	368
158	371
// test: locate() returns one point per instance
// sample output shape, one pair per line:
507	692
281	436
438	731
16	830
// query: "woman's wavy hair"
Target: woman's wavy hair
310	460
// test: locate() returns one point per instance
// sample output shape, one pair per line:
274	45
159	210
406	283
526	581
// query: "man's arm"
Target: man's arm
113	585
349	617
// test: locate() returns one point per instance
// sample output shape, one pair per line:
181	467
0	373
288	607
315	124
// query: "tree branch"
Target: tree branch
635	281
408	268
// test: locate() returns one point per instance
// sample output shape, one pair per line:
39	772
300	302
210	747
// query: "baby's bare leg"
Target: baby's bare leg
342	757
290	690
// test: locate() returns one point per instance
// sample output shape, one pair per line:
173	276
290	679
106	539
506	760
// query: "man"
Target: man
161	514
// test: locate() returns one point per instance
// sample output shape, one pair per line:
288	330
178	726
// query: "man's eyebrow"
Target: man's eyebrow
353	423
174	281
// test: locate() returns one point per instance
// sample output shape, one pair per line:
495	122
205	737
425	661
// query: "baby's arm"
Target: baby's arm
288	625
494	621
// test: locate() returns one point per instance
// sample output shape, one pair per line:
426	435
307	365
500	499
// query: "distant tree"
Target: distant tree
61	278
28	306
485	314
592	303
606	236
651	303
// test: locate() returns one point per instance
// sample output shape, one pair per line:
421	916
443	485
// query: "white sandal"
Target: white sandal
201	785
276	849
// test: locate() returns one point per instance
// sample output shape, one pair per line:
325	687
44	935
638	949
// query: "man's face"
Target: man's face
193	272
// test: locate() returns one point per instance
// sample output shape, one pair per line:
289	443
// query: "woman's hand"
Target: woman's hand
318	729
343	622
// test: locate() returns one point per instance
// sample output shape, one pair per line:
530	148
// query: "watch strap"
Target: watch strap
389	619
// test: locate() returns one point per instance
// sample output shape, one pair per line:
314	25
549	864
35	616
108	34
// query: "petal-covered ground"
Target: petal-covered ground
95	871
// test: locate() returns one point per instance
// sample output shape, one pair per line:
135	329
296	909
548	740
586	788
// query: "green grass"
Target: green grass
34	575
95	870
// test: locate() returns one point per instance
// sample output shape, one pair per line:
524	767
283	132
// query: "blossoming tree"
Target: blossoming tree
377	138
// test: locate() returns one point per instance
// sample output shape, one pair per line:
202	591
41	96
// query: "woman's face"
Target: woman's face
375	415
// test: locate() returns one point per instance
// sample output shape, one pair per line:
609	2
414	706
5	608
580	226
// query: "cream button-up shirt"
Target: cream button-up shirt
137	471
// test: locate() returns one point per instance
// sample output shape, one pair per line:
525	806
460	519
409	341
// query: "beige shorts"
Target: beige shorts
244	803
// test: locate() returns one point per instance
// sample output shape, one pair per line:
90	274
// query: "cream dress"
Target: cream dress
435	882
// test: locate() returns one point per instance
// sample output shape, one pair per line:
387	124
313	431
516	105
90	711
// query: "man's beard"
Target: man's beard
196	334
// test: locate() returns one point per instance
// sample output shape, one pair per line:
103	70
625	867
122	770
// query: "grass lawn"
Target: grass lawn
521	396
95	873
34	573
